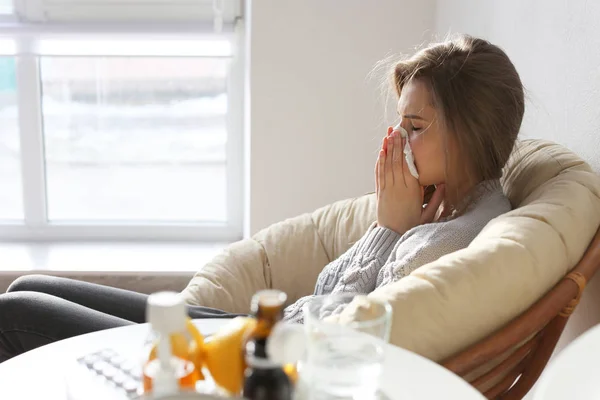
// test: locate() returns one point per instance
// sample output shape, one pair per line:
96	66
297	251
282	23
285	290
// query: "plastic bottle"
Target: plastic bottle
170	370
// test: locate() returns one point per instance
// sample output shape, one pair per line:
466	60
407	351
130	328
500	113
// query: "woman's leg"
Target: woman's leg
118	302
39	309
29	320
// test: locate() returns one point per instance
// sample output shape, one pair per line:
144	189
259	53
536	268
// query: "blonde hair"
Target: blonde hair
478	95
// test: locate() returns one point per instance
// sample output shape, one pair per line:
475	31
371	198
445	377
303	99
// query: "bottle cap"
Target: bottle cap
166	312
269	298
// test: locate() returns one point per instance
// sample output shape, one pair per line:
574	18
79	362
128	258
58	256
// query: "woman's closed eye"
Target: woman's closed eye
415	128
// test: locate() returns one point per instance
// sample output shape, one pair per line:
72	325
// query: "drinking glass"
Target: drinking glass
345	335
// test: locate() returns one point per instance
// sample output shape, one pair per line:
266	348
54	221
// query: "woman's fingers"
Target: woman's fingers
389	157
384	142
434	203
377	171
399	149
398	157
380	171
394	169
380	164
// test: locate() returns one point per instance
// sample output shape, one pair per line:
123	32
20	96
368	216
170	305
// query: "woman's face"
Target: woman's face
419	118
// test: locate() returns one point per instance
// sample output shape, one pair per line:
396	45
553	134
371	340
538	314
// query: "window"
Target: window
135	138
6	7
115	133
11	199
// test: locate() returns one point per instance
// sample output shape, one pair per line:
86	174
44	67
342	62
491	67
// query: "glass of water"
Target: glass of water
345	335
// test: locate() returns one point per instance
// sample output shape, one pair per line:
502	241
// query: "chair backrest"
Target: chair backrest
529	339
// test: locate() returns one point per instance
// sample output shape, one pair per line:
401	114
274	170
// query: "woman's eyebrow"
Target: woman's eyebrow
413	116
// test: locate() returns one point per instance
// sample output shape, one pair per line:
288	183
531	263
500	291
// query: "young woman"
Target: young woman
460	107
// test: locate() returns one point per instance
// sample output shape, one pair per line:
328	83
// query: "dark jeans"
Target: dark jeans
38	309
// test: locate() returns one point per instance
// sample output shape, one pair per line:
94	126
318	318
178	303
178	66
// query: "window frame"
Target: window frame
68	11
8	18
35	226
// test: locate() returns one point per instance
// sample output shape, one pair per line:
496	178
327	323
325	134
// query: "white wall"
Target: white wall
555	45
315	120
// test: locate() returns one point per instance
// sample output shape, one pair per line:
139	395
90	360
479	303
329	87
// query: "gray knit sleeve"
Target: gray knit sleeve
355	271
294	313
419	246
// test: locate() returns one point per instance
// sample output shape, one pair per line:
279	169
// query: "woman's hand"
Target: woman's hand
399	194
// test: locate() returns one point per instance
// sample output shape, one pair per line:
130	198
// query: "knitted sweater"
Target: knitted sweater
382	256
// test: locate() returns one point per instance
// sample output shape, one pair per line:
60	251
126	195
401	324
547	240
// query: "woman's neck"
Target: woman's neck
457	196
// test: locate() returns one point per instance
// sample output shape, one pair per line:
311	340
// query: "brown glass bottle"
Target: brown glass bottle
264	379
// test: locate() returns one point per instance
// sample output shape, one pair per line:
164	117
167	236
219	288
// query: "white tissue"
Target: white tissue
408	154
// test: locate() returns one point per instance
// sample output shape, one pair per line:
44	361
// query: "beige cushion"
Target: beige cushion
447	305
288	255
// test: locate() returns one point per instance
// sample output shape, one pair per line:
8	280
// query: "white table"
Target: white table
574	372
38	375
